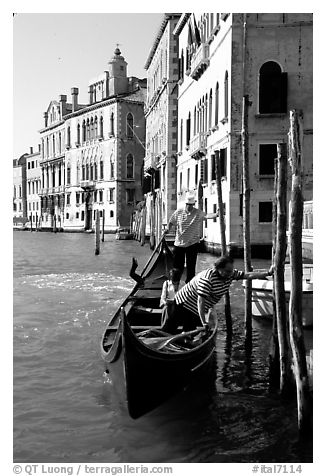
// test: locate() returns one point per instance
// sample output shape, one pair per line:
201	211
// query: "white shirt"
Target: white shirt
169	291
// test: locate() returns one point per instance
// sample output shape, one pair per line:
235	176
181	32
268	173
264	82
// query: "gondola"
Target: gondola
147	365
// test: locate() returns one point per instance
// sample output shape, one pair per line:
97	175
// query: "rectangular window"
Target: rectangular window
223	162
213	167
267	155
20	206
67	216
101	195
68	175
130	195
83	197
265	212
77	215
29	206
95	196
101	170
214	211
68	199
34	206
204	170
111	194
180	183
82	215
188	179
77	198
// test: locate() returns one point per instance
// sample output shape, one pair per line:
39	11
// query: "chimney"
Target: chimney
74	99
90	94
31	150
63	104
45	115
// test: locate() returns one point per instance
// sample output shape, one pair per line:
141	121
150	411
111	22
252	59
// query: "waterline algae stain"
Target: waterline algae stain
65	407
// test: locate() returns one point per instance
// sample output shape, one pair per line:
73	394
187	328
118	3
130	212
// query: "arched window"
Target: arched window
181	135
78	134
68	175
188	130
195	122
95	171
92	129
87	172
87	130
181	65
272	89
205	113
101	170
95	127
91	172
84	131
60	145
53	145
83	172
112	124
210	105
130	166
216	103
101	127
226	94
130	126
68	137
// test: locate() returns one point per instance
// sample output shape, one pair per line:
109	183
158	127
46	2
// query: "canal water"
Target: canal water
65	409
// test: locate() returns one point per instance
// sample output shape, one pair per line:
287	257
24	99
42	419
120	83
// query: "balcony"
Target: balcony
87	184
151	160
198	146
199	61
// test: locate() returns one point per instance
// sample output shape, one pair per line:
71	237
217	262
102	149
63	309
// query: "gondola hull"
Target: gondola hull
146	377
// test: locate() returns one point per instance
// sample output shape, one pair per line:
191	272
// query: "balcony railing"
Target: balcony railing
151	160
199	61
198	145
87	184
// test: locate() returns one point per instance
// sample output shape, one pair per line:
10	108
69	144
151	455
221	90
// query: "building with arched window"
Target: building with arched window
104	156
222	57
33	187
19	191
161	127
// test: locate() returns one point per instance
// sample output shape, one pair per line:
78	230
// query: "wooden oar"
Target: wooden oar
180	336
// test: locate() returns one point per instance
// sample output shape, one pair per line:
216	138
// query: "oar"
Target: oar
179	336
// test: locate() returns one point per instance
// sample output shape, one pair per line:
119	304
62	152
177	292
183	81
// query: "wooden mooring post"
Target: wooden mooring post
103	223
97	233
54	224
274	351
304	401
30	218
228	317
246	219
279	260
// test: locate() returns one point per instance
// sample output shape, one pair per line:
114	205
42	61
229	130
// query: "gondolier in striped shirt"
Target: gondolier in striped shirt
201	294
189	230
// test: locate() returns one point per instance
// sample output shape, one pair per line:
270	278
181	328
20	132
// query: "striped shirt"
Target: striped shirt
208	284
189	226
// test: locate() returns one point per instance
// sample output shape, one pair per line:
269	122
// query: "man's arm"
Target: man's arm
201	308
171	222
208	216
259	274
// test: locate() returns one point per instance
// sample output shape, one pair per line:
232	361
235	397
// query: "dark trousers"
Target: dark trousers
181	317
190	253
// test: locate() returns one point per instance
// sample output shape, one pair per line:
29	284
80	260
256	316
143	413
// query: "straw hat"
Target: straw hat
190	199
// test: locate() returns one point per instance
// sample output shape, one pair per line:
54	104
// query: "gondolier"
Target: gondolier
204	291
189	231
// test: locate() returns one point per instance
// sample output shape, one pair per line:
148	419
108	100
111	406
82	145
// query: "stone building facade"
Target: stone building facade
33	187
52	162
224	56
19	190
105	151
161	114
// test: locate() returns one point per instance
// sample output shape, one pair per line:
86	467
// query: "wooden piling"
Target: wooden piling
54	224
304	402
246	217
279	260
228	317
103	223
97	233
274	354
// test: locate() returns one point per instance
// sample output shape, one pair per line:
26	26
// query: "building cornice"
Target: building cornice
181	23
52	126
167	17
